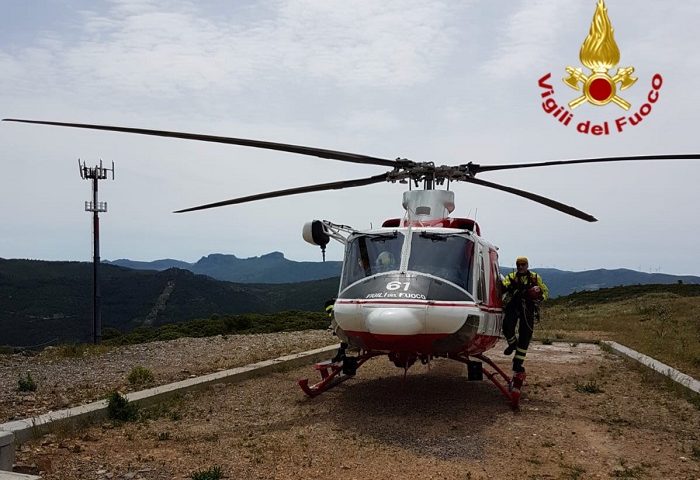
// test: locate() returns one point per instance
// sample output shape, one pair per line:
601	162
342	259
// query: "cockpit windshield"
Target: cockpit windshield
445	255
370	254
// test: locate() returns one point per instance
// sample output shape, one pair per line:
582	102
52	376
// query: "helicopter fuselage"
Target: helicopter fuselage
419	291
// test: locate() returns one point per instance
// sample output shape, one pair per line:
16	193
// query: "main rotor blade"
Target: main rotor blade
536	198
283	147
631	158
294	191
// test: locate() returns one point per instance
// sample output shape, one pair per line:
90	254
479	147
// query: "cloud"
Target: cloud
529	37
139	49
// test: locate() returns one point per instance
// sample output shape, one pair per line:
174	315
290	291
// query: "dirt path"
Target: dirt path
433	425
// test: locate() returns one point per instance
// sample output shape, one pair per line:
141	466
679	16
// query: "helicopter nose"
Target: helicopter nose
395	321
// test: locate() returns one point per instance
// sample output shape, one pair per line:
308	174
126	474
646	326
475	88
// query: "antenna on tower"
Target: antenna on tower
96	173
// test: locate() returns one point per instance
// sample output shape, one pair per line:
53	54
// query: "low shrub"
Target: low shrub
140	376
119	408
26	384
212	473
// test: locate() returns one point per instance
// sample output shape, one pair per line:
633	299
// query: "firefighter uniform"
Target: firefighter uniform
524	291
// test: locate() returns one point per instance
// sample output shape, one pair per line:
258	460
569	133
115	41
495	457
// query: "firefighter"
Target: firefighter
524	292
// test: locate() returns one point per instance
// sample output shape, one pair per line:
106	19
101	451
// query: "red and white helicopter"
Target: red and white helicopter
422	286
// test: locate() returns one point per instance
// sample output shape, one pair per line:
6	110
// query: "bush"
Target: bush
213	473
119	408
140	376
109	333
26	384
590	387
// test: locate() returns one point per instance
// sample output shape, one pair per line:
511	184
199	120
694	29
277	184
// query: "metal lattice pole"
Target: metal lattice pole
96	173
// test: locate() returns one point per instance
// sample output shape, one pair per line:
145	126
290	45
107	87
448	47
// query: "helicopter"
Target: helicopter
422	286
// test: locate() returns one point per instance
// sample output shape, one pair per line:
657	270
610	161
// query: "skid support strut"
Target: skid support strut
335	373
509	387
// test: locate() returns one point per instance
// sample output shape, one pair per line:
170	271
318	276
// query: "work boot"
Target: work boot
509	349
516	383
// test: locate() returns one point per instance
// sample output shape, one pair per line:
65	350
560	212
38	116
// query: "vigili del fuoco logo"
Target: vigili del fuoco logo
596	86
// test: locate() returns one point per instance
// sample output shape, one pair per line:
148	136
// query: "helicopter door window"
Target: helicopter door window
481	287
447	256
369	254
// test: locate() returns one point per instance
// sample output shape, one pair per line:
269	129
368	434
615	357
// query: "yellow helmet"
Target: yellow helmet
521	260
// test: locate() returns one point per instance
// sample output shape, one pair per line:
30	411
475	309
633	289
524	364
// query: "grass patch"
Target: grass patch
26	384
573	472
119	408
591	387
658	320
74	350
289	321
624	471
6	350
696	452
547	341
212	473
140	376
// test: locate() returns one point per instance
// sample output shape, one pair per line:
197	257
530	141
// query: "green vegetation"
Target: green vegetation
140	376
26	384
51	302
661	321
119	408
572	472
625	471
212	473
225	325
74	350
589	387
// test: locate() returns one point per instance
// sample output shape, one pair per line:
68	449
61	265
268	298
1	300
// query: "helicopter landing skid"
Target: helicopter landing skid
512	387
335	373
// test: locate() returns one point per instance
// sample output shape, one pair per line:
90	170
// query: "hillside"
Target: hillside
562	282
44	301
275	268
52	301
270	268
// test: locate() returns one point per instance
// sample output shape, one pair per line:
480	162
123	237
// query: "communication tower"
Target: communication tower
96	173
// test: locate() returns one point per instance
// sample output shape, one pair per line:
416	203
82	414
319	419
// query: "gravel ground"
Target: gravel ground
433	424
66	382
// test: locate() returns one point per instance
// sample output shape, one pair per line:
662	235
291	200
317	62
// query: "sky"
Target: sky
447	82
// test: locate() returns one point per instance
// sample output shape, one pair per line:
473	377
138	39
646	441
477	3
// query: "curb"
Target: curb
677	376
19	431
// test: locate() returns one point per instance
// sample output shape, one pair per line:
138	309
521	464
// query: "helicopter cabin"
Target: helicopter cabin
425	277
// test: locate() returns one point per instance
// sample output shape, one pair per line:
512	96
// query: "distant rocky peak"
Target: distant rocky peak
273	256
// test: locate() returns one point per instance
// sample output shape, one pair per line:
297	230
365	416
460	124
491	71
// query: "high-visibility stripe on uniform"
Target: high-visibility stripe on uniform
522	350
519	357
512	340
